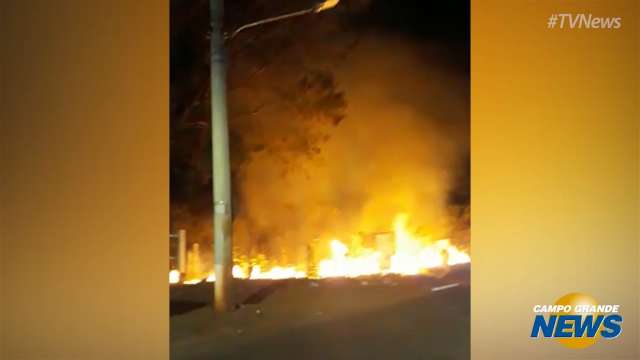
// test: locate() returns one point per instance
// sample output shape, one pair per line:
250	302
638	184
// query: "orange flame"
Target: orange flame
413	254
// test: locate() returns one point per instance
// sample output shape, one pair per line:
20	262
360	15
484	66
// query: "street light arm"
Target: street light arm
269	20
322	6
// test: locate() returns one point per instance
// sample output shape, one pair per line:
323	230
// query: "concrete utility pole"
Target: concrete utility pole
222	244
182	251
220	163
180	255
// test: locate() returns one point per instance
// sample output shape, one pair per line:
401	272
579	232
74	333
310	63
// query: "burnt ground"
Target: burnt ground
365	318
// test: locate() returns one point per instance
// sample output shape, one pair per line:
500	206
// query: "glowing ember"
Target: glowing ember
238	272
277	272
412	254
192	281
341	265
456	256
174	277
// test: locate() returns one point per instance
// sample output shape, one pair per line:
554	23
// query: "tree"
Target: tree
283	99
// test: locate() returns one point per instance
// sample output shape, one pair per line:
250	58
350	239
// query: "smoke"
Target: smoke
400	149
403	145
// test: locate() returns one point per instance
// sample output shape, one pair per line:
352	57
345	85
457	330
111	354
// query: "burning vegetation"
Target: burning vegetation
401	252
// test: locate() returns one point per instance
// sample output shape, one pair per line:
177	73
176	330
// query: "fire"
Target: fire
277	272
340	264
192	281
238	272
174	277
413	254
410	254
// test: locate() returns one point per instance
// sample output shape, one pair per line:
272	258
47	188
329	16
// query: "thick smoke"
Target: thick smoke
399	149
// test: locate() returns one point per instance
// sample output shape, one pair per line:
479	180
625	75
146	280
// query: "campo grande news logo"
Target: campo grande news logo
577	321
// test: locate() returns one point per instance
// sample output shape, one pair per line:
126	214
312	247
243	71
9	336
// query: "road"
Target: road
373	318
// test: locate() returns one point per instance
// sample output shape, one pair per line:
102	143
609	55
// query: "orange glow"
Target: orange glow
277	272
340	264
238	272
412	254
192	281
174	277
